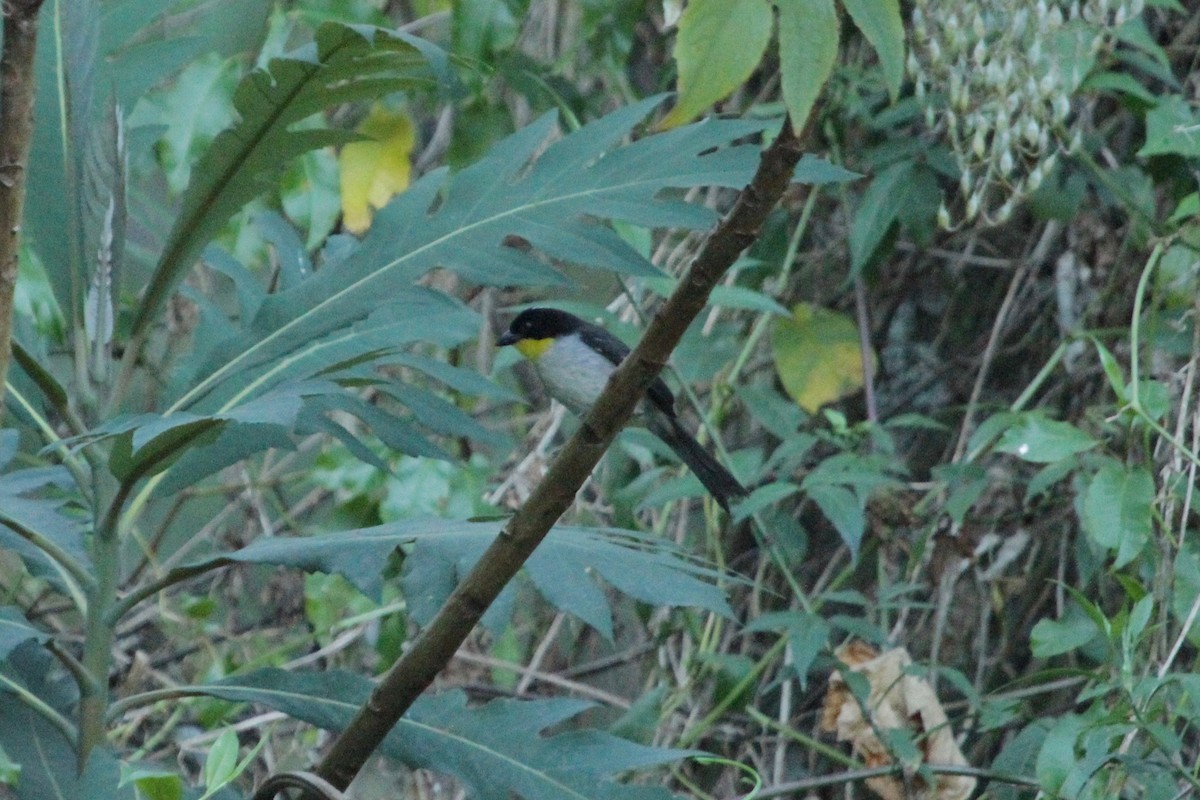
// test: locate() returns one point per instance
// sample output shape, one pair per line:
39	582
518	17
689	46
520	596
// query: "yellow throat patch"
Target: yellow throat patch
533	349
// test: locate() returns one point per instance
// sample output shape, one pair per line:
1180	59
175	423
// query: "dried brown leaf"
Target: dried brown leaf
896	700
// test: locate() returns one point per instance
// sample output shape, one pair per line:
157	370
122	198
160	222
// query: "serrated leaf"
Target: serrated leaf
720	42
1038	439
1118	510
879	21
345	64
818	356
377	167
551	196
808	48
496	750
563	568
148	443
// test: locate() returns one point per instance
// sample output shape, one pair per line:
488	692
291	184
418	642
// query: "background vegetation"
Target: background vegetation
257	431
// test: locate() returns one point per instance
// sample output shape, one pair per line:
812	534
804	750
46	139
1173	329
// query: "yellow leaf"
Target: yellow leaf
817	356
720	43
375	169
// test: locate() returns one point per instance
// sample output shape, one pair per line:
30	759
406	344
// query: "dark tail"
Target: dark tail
718	480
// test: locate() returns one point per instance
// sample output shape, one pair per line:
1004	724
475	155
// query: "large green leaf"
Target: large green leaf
406	315
346	63
148	443
1036	438
1118	509
808	46
564	568
550	196
48	759
496	750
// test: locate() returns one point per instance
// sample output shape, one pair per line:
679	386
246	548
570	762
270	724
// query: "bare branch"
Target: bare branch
16	133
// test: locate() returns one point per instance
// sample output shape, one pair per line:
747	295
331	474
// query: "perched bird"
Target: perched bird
574	359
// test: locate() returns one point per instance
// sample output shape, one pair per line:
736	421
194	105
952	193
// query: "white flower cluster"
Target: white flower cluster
996	78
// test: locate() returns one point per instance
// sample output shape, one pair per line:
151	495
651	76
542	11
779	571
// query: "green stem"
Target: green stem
1136	324
700	728
100	627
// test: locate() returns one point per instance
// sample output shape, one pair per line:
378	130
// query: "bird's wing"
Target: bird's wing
615	351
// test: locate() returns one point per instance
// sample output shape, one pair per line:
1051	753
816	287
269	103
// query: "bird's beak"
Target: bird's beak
507	338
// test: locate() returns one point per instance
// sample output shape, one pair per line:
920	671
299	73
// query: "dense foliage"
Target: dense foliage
257	432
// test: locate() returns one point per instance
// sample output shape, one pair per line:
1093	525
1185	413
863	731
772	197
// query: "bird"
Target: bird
574	359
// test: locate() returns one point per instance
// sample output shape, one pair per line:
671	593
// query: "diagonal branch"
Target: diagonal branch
16	133
416	669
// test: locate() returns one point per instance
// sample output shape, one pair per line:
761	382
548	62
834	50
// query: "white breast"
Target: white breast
573	373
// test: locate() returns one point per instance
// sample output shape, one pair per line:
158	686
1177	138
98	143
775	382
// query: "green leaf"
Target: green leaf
1112	371
309	193
495	750
878	210
149	443
1019	757
808	47
345	64
221	764
1040	440
807	633
879	21
411	314
49	768
15	631
155	783
1118	510
35	499
818	171
1172	127
764	496
720	42
564	568
1057	756
1051	638
196	109
841	507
